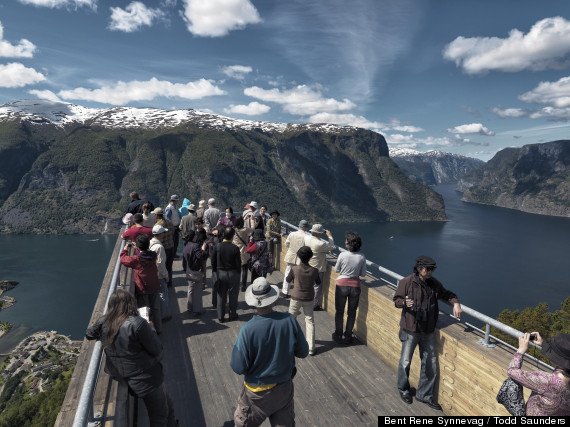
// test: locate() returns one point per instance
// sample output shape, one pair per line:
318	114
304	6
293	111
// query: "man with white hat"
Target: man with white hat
319	259
158	233
212	215
264	352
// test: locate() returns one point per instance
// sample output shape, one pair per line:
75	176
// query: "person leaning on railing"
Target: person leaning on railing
133	352
550	392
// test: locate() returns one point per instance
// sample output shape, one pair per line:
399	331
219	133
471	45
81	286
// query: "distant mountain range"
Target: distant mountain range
434	167
534	178
68	169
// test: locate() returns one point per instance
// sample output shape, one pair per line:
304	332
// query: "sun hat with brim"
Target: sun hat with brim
253	204
303	224
258	235
317	228
275	211
557	350
174	197
201	203
158	211
159	229
192	207
261	294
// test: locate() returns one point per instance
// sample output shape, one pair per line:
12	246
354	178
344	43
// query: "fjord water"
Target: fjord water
59	277
493	258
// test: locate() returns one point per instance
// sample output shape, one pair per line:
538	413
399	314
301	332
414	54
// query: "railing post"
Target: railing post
487	341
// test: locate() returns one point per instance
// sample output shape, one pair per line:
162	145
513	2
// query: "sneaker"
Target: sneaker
406	397
312	352
234	317
347	340
243	288
282	295
317	308
431	404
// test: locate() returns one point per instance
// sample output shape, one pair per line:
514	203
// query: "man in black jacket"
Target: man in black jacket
226	264
417	296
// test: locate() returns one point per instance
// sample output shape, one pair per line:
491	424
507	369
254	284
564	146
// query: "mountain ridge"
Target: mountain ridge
61	174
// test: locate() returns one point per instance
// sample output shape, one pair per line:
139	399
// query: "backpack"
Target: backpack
260	259
195	258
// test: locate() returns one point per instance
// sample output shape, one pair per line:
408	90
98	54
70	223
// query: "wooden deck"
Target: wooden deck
340	386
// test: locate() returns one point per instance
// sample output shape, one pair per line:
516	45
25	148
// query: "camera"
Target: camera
532	337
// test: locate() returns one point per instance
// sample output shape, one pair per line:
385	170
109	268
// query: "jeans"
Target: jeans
429	363
342	294
295	309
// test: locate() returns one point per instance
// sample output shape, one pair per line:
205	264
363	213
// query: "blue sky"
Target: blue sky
463	76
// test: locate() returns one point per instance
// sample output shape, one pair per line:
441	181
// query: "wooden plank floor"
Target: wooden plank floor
340	386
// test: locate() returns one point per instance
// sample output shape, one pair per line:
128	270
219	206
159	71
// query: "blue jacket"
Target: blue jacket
266	348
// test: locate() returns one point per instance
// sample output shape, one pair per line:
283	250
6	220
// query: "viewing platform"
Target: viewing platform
339	386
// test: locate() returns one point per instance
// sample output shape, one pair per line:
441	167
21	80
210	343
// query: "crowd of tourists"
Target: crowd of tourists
242	246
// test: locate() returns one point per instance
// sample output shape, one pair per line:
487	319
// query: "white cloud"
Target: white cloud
45	94
510	112
251	109
546	45
216	18
237	72
555	94
472	128
17	75
135	16
122	93
24	49
345	119
61	3
396	125
301	100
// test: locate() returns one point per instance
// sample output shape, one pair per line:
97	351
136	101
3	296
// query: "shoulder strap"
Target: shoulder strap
239	237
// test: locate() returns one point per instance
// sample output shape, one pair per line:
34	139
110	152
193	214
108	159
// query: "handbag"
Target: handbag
511	397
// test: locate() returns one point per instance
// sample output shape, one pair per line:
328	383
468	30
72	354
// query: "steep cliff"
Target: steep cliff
83	168
434	167
534	178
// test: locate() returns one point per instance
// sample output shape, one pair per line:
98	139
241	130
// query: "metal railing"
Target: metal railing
488	321
85	405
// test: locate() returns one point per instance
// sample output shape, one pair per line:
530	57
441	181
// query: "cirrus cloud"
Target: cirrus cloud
301	100
251	109
17	75
510	112
122	93
471	128
546	45
24	49
216	18
135	16
53	4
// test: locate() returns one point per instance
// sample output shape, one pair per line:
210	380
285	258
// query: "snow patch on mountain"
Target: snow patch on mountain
64	114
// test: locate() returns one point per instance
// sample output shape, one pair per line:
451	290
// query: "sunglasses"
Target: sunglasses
430	268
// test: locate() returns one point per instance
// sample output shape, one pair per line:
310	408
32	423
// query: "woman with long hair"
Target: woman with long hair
133	353
550	391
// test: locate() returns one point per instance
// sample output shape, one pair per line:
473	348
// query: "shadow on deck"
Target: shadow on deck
340	386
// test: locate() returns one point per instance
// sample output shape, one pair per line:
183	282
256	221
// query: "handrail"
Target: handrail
86	399
489	321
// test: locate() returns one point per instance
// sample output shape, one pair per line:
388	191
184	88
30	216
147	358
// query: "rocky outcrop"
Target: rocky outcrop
534	179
